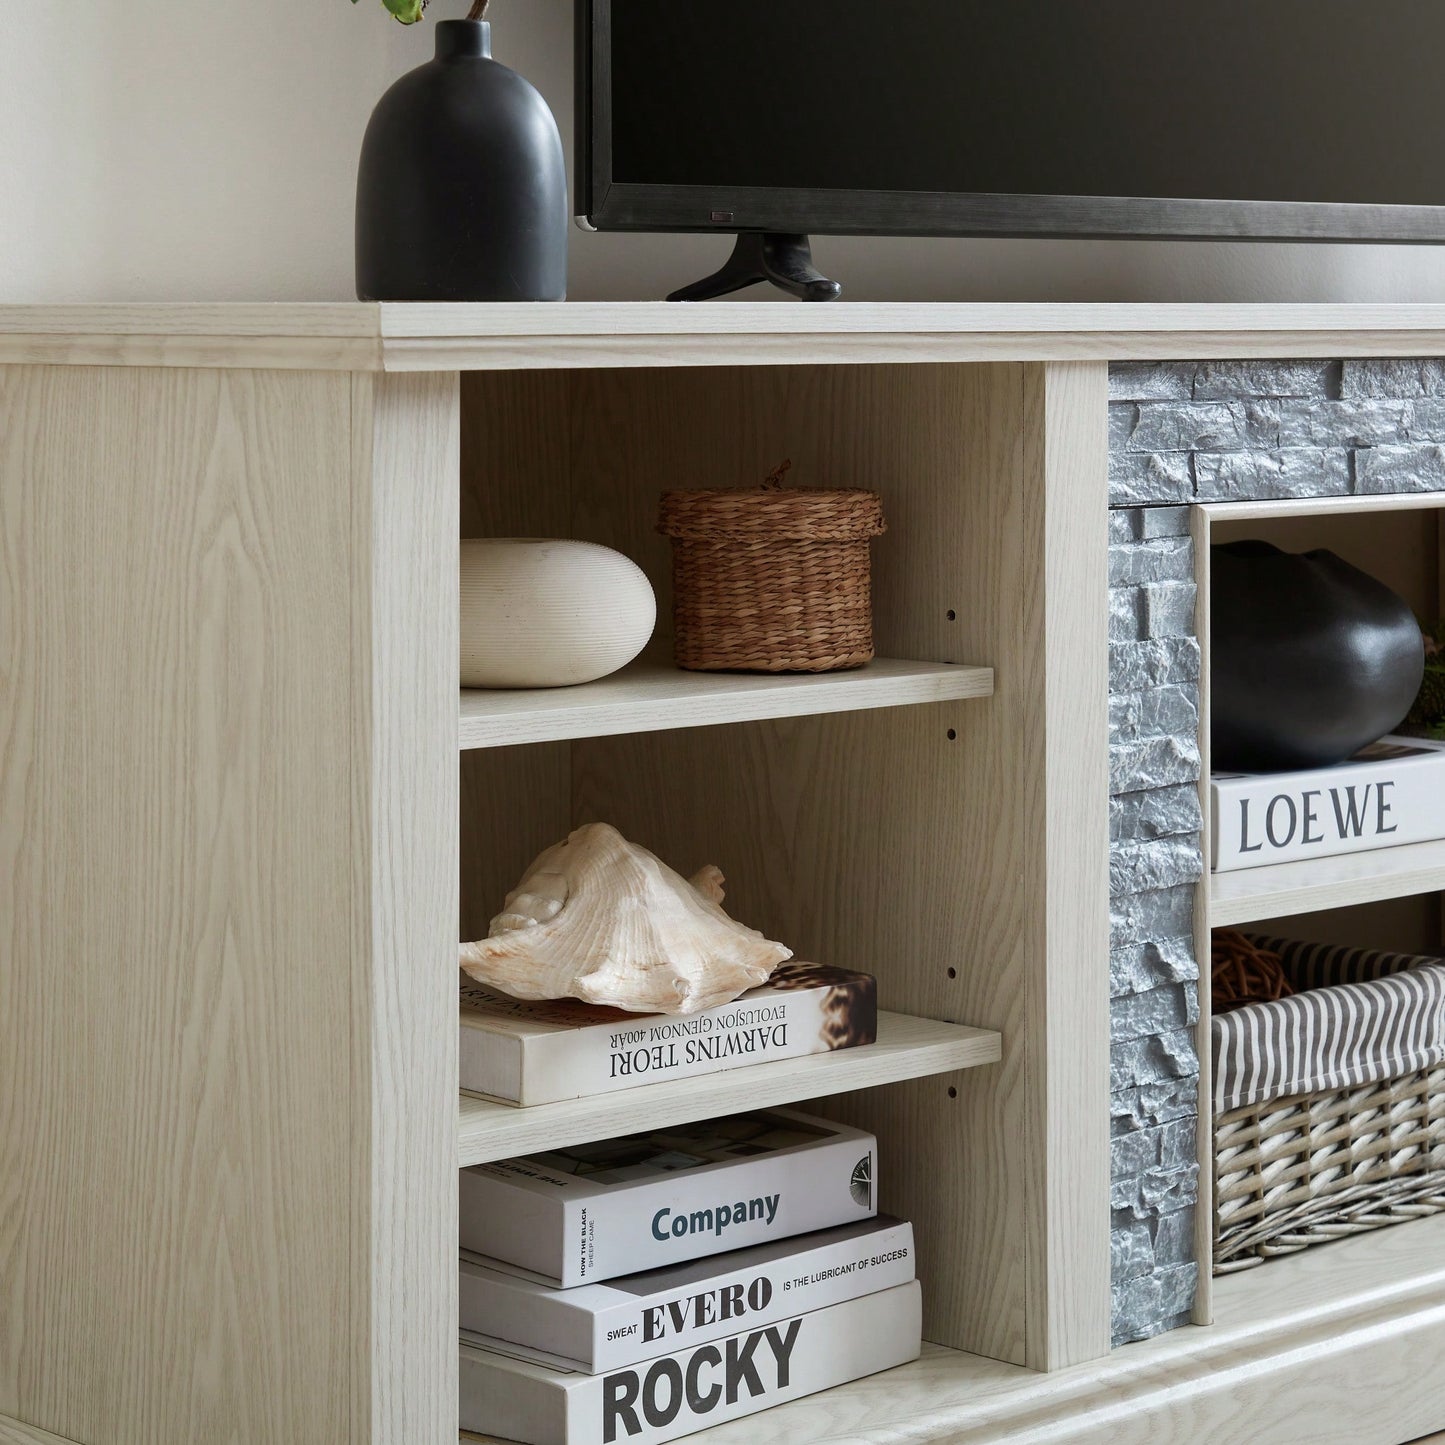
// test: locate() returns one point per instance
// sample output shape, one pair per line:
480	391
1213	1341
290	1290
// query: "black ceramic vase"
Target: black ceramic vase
1311	659
462	190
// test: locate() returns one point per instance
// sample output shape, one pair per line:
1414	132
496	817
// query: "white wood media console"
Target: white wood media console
243	810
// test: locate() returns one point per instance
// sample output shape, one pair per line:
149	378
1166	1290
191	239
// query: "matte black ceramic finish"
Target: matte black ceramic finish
462	190
1311	658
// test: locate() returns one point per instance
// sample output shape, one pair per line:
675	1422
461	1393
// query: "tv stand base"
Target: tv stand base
784	260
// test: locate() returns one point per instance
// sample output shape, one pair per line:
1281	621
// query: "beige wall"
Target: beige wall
189	149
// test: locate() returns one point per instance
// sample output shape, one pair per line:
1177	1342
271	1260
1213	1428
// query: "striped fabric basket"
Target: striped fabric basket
1329	1106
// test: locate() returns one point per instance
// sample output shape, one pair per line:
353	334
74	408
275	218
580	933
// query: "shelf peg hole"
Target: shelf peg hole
953	973
952	1092
953	735
952	615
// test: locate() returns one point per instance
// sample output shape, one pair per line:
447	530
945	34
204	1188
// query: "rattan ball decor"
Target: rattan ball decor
772	579
1244	973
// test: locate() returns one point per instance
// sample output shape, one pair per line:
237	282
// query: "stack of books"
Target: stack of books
639	1289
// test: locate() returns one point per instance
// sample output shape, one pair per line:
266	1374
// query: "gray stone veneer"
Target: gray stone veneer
1154	862
1181	433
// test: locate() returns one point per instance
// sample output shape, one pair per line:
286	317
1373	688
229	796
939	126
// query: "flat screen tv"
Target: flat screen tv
1285	119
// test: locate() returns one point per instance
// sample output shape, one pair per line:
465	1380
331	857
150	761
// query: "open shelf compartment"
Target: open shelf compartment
1378	898
894	820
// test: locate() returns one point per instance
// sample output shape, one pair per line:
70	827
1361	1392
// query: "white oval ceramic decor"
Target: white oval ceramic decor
539	612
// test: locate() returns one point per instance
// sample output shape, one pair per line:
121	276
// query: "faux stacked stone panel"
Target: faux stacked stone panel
1154	863
1183	433
1256	431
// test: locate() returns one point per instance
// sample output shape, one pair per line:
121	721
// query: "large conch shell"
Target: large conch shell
603	920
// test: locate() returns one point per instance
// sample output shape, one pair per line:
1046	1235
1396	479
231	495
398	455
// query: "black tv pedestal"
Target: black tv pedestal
784	260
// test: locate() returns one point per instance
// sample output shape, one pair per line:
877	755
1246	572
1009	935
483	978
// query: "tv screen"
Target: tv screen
1288	118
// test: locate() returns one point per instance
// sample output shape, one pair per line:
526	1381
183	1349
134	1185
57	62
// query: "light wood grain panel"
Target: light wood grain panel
12	1432
1226	514
652	697
448	320
515	482
601	335
405	636
762	349
907	1048
1249	894
1397	544
848	836
1408	924
514	803
307	336
227	802
1246	321
290	353
1066	752
840	835
179	1131
516	456
879	841
316	320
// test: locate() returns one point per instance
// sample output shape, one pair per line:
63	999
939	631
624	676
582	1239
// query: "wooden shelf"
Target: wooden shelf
525	336
648	697
1285	889
907	1048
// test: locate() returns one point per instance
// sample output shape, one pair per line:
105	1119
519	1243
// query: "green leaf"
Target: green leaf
407	11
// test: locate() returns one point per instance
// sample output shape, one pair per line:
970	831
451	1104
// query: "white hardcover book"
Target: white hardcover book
525	1053
687	1390
600	1327
1388	794
620	1206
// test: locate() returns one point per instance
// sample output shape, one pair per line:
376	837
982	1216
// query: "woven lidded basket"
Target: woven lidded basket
772	580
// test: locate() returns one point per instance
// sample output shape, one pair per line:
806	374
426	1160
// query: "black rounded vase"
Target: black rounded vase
462	190
1311	659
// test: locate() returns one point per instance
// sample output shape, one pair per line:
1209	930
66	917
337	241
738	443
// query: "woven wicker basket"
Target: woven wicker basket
767	580
1315	1167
